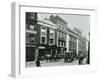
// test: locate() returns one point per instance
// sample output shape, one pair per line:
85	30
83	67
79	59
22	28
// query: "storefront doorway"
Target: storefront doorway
30	53
42	54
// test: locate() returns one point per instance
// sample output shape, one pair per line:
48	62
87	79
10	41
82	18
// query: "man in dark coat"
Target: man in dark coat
38	63
81	57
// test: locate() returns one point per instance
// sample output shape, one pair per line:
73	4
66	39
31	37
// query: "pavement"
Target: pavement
48	63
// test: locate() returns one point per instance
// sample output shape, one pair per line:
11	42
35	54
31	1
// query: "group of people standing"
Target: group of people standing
69	58
82	58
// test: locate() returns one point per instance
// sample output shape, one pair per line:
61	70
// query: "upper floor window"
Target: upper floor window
59	34
43	34
43	40
29	38
59	43
64	35
43	27
43	31
70	38
32	27
63	27
52	33
64	43
51	41
32	16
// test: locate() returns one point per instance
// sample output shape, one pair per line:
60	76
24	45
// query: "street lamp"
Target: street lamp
88	60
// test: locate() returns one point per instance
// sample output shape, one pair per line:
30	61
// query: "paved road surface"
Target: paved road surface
47	64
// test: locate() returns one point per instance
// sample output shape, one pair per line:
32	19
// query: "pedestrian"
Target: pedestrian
38	63
81	58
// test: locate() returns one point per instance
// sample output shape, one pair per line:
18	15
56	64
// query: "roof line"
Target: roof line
46	23
72	31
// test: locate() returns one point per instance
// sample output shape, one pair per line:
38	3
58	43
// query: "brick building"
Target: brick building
67	39
61	33
48	37
40	37
73	43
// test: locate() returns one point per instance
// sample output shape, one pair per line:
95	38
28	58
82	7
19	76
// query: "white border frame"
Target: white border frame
18	41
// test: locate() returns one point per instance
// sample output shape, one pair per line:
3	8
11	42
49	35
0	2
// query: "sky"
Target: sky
79	21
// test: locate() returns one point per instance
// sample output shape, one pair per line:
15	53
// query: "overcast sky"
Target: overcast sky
78	21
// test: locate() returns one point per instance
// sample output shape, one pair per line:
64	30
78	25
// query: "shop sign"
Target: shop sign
41	47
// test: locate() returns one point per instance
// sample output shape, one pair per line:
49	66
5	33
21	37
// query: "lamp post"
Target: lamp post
88	60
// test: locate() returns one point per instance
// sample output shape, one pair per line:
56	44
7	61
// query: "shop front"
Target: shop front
61	51
51	52
42	53
30	53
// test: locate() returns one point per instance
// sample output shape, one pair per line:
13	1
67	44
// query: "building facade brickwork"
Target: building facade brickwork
49	37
